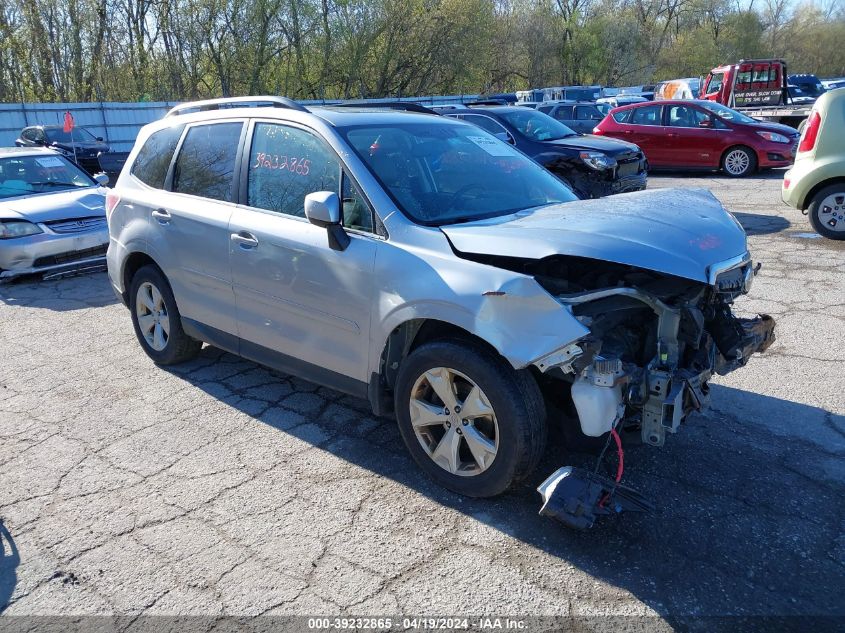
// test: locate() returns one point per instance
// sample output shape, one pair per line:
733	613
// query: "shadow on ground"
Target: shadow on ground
745	524
9	561
61	295
761	224
763	174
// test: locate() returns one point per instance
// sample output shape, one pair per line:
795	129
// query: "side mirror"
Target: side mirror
504	136
322	208
100	138
102	179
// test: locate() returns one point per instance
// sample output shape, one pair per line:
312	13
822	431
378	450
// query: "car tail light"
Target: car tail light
111	202
811	133
786	183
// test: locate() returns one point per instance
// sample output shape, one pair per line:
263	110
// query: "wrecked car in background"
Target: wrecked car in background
52	214
426	265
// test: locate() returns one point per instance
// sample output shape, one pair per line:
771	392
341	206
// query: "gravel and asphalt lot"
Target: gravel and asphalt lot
221	488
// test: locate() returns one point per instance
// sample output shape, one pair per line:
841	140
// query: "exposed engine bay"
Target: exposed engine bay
655	341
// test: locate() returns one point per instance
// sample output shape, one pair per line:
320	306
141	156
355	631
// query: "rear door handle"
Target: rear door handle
162	216
245	239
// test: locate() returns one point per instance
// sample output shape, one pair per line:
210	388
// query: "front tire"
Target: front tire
156	319
470	421
739	161
827	212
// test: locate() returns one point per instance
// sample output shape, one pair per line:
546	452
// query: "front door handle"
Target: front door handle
245	239
162	216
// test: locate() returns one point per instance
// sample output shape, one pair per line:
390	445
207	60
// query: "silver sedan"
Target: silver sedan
52	214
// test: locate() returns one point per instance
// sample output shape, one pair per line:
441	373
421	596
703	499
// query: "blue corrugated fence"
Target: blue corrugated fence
119	123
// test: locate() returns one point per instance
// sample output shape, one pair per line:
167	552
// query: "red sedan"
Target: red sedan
701	135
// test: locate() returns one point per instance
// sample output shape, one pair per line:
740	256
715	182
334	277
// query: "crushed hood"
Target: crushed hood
672	231
82	202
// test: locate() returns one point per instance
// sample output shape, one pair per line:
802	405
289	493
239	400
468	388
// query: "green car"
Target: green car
816	182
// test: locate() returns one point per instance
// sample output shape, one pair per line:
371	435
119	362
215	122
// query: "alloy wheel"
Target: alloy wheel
454	422
737	162
832	212
153	319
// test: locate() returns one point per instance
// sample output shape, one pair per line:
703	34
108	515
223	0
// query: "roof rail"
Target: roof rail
408	106
235	102
487	102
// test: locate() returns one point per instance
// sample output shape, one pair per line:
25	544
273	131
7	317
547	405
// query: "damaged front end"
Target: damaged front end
655	341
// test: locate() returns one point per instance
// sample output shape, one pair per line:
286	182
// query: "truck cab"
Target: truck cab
754	82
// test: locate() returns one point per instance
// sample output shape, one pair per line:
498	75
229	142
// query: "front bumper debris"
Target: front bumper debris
576	497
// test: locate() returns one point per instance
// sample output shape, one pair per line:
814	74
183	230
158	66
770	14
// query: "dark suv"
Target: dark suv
581	116
593	167
79	146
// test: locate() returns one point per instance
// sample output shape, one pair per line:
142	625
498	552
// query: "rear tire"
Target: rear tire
827	212
505	421
739	161
156	319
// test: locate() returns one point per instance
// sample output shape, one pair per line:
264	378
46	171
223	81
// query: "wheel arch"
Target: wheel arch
131	265
805	203
404	339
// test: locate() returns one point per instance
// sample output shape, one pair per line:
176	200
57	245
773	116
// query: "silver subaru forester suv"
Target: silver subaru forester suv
424	264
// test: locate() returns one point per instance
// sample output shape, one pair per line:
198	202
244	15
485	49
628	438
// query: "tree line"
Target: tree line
131	50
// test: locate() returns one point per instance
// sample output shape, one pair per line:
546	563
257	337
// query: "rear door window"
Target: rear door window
206	162
288	163
587	113
564	113
153	160
647	115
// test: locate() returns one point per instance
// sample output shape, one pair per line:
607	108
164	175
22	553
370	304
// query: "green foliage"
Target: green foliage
123	50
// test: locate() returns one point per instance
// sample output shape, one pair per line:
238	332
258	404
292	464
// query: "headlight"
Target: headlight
597	160
774	137
10	229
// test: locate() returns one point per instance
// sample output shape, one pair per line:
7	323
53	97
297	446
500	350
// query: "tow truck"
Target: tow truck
757	88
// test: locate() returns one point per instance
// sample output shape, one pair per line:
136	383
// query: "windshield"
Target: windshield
25	175
536	125
79	135
725	112
441	173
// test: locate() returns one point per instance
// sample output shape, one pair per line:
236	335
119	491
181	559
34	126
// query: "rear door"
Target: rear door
565	114
302	307
190	224
586	118
645	128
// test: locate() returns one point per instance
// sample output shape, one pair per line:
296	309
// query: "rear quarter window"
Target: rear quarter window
153	160
623	116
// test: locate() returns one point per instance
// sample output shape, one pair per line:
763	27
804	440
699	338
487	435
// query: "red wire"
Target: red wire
621	467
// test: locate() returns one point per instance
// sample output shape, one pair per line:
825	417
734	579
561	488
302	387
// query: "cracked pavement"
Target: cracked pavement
222	488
